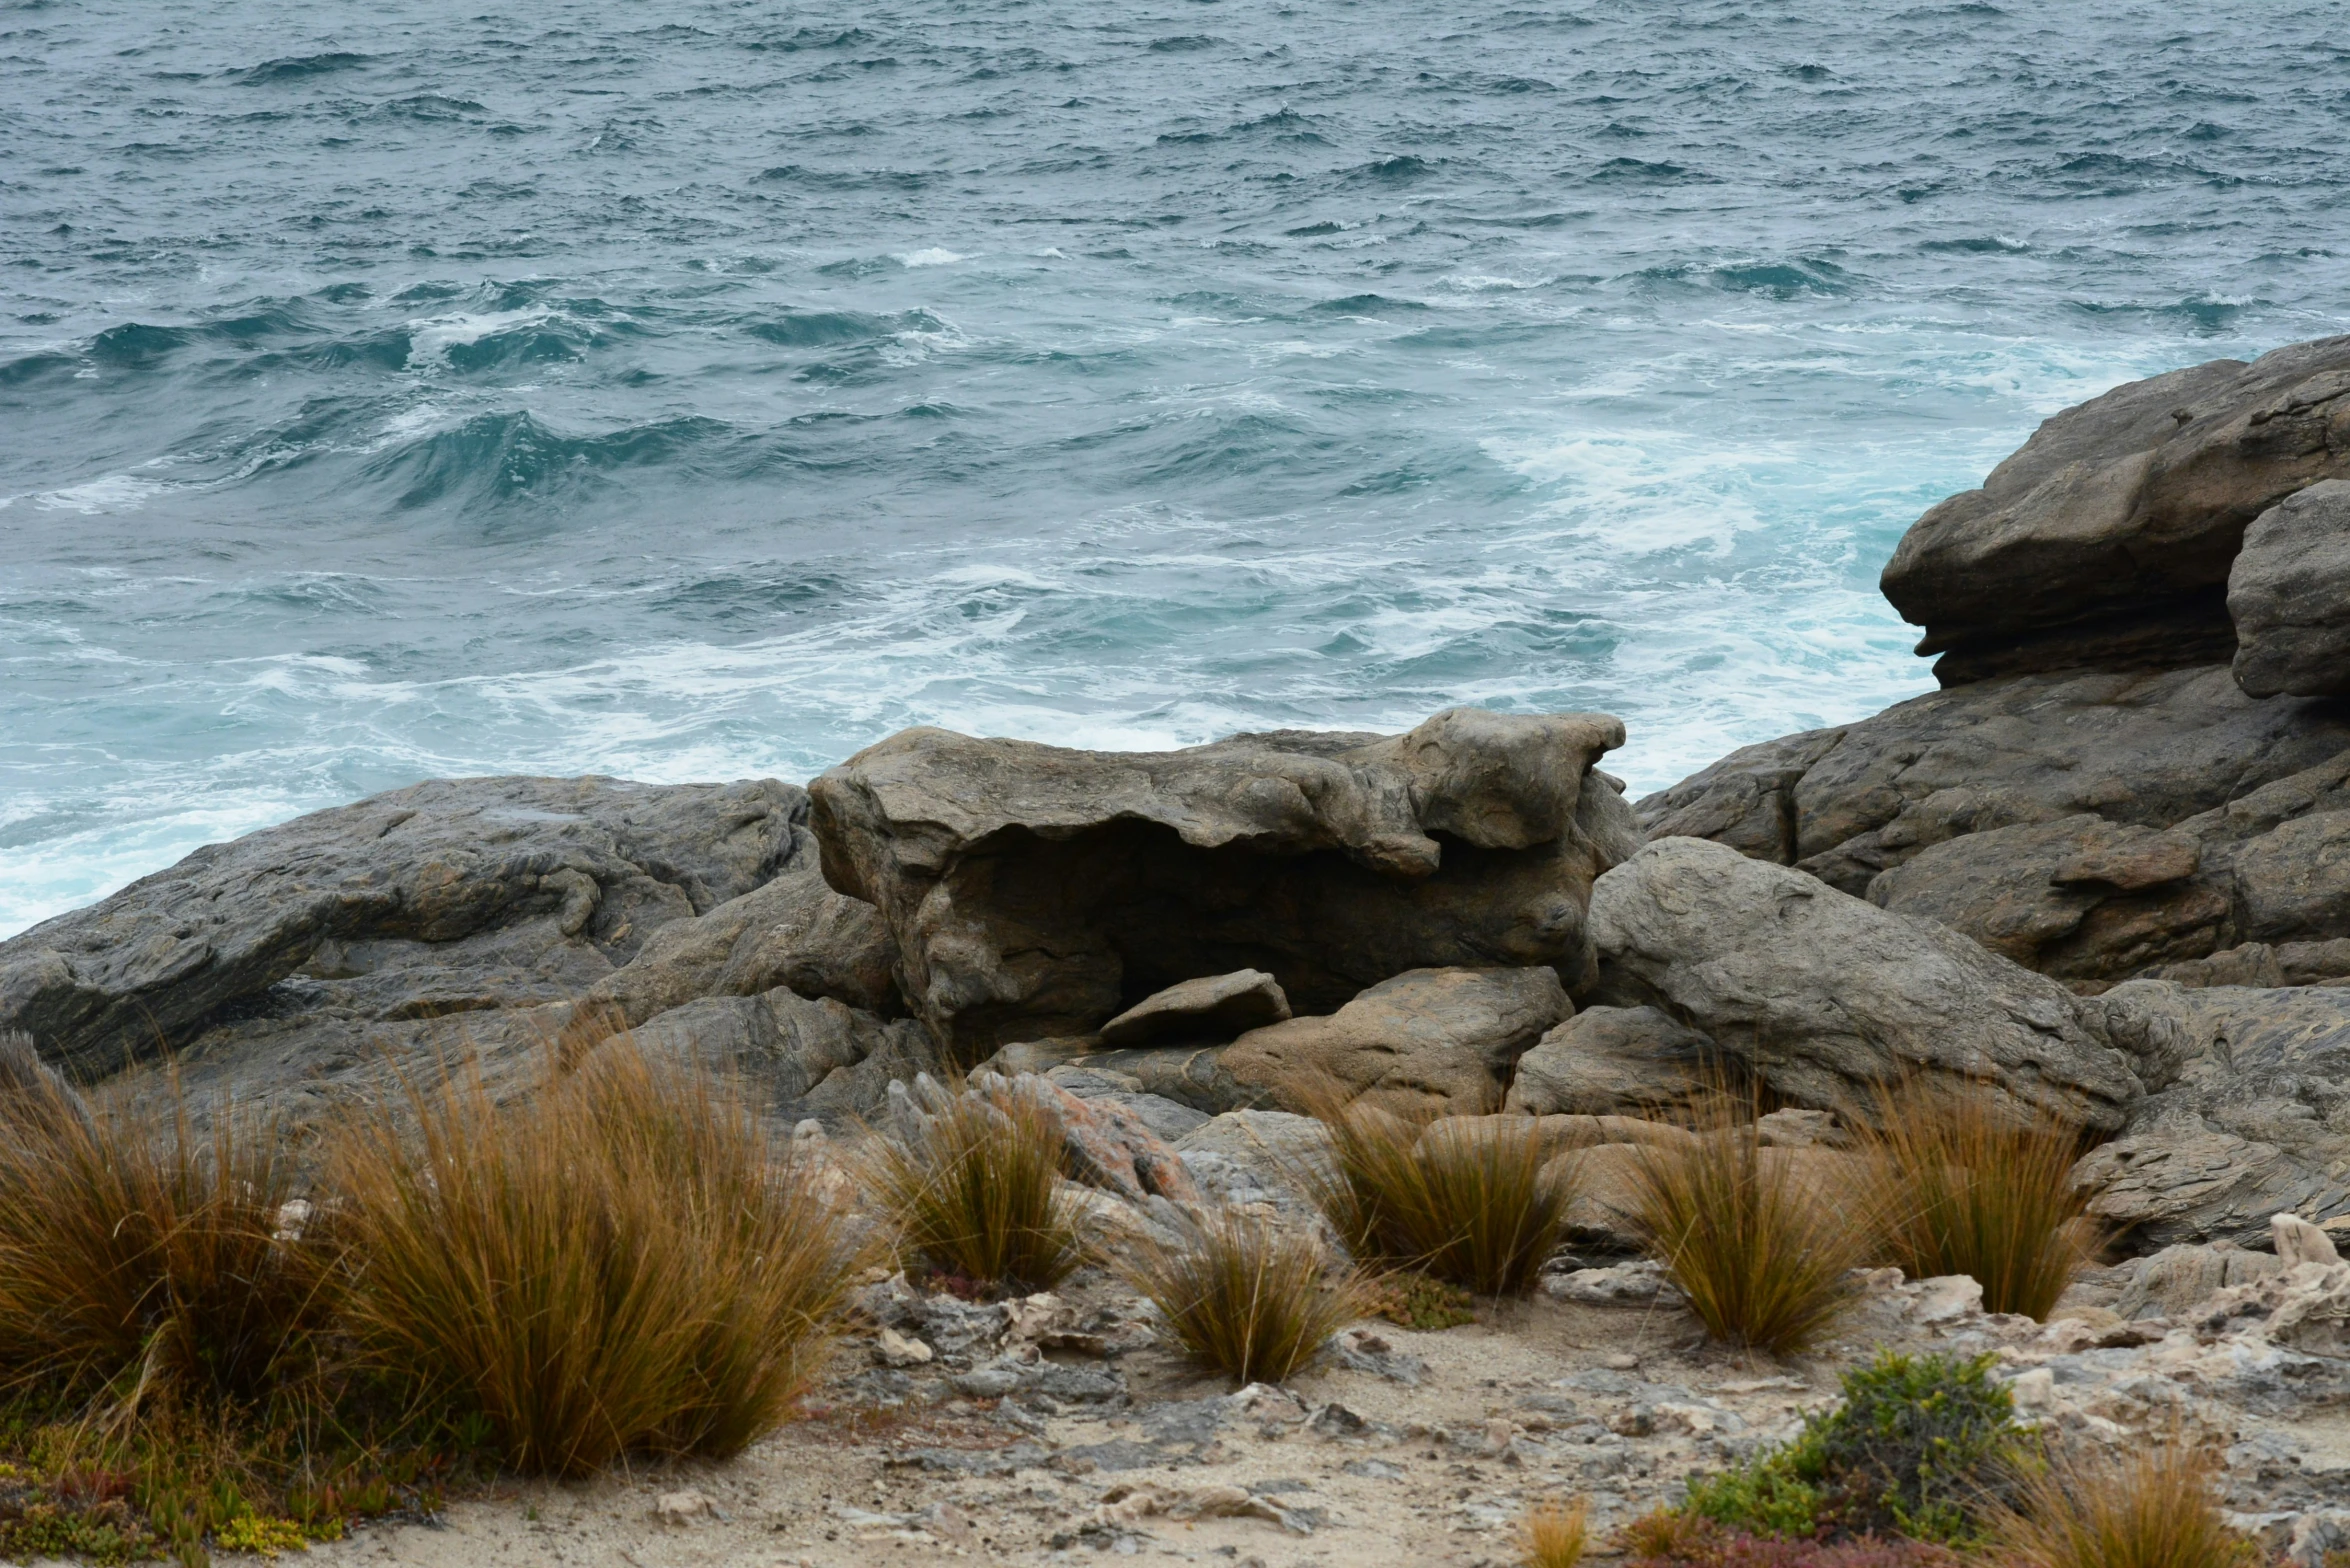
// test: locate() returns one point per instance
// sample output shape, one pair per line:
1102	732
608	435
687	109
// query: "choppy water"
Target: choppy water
691	390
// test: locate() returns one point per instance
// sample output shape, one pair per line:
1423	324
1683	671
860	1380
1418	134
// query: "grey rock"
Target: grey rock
1272	1146
2107	539
2256	1123
1193	1075
1824	996
1612	1061
1437	1041
1212	1007
1036	892
2174	1281
1170	1119
815	1056
447	897
2092	826
2289	595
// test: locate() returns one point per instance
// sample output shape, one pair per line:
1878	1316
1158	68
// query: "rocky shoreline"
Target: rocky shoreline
2103	875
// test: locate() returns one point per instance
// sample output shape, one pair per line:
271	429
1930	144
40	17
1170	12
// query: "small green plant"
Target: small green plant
1246	1296
1476	1201
1410	1299
977	1196
1662	1540
260	1536
1758	1248
1966	1188
1919	1446
1555	1534
2149	1508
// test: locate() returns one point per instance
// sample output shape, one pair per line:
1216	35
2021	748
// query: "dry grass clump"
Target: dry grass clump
1554	1534
1247	1296
615	1264
1967	1189
2150	1507
138	1256
1761	1252
1475	1201
977	1196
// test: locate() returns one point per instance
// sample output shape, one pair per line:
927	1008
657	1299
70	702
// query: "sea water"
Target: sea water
698	390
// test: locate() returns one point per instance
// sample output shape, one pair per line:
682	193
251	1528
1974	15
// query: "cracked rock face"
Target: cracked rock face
448	897
2106	540
1824	995
1036	892
2289	596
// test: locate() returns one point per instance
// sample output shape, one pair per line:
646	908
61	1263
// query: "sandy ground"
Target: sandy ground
1547	1398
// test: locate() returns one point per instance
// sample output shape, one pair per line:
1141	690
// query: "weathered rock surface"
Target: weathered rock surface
446	897
1428	1041
2289	596
815	1056
1823	995
2257	1122
2088	825
1612	1061
1215	1008
1193	1075
2106	540
1034	891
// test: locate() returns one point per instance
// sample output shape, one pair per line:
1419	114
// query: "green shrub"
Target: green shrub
1920	1446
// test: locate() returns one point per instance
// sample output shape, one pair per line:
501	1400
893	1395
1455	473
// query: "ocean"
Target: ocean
700	390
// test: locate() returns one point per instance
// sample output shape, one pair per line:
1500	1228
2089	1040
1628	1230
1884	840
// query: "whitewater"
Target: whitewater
704	390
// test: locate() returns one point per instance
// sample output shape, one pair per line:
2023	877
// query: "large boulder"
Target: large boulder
1610	1061
2089	825
2289	596
2106	541
1429	1041
2257	1121
447	897
1825	996
1034	891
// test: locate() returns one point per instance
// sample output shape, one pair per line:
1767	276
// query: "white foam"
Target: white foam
114	493
431	337
936	256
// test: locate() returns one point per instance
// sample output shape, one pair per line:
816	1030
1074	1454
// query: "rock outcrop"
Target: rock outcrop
1428	1042
1034	891
447	897
1216	1008
813	1056
1611	1061
2106	541
2256	1123
1825	996
2289	596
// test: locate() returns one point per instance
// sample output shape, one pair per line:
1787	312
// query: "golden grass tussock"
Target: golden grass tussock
1968	1188
138	1256
1760	1246
978	1199
2150	1507
1475	1201
1247	1296
1555	1533
616	1264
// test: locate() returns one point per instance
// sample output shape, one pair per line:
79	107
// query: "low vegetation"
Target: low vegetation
978	1201
195	1357
2149	1508
1762	1251
1919	1447
1555	1533
1970	1189
1670	1540
1246	1295
1478	1203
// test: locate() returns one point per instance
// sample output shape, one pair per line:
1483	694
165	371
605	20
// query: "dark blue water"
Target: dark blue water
693	390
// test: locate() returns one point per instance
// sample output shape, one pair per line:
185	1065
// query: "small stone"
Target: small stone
1621	1361
682	1507
898	1350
